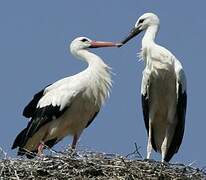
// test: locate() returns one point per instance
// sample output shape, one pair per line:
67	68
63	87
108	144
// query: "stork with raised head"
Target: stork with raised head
69	105
163	91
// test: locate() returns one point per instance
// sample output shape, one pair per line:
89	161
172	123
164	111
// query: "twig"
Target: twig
191	164
3	152
2	170
94	165
135	152
17	177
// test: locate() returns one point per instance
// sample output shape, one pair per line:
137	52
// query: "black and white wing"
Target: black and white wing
29	110
145	103
53	102
181	111
145	99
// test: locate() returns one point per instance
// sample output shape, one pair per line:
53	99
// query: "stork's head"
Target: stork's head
144	21
81	43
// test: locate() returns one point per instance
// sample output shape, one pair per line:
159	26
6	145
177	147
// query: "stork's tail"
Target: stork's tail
20	142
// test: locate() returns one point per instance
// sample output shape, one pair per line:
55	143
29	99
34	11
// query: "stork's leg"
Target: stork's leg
169	132
167	140
40	148
164	148
149	148
75	140
149	143
41	144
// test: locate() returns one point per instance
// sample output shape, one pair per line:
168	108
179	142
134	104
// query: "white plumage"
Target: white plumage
163	91
70	104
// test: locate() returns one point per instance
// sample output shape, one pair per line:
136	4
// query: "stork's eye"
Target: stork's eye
84	40
141	21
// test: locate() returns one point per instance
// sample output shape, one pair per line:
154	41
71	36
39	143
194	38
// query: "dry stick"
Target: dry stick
203	169
67	166
29	153
33	154
51	149
17	177
4	153
2	170
135	152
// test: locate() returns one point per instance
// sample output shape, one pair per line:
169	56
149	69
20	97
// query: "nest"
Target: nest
84	164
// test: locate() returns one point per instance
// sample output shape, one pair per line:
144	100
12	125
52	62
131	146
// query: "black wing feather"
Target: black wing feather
41	117
179	131
92	119
19	138
30	109
145	108
51	143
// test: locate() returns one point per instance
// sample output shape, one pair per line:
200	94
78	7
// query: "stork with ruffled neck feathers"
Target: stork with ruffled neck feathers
69	105
163	91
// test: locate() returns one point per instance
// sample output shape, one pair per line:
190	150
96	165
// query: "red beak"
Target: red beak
98	44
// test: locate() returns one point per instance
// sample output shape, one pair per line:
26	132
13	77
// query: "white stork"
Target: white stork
163	91
69	105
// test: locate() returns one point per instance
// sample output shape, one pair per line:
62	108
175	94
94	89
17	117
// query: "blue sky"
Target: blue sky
34	52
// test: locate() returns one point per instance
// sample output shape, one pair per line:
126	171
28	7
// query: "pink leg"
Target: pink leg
75	139
40	148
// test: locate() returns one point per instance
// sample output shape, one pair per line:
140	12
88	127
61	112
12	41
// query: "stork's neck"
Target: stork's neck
149	36
97	74
91	58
